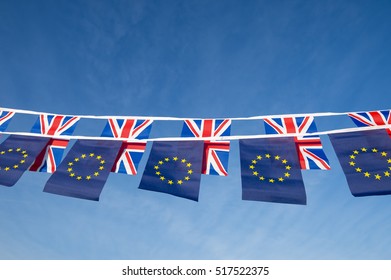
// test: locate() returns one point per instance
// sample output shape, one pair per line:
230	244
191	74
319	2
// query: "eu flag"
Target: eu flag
365	157
84	170
174	167
270	171
17	153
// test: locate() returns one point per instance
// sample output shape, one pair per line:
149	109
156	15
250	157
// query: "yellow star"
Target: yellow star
288	167
170	182
383	154
7	168
72	175
367	174
24	152
374	150
358	169
25	155
387	174
175	158
188	164
251	166
166	159
79	178
92	154
281	179
190	171
254	161
156	167
83	156
88	177
284	161
352	156
267	155
158	173
96	174
70	169
389	160
162	178
101	167
160	162
261	178
22	161
377	177
98	157
2	152
70	163
259	157
10	150
352	163
180	182
271	181
364	149
255	173
102	161
16	166
76	159
277	157
183	160
355	152
287	174
187	178
18	149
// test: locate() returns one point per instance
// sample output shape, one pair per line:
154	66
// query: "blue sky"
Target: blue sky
204	59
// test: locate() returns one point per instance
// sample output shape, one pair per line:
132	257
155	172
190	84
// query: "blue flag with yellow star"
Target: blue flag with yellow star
270	171
17	153
365	157
84	170
174	167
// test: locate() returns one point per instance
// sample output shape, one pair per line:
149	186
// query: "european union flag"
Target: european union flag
174	167
270	171
84	170
365	157
17	153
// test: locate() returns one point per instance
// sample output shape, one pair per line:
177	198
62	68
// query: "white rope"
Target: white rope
326	114
220	138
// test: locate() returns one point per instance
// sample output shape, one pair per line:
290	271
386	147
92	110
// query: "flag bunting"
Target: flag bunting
270	163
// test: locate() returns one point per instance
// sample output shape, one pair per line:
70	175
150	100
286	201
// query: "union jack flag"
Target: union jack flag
309	148
373	118
54	125
215	159
130	153
5	118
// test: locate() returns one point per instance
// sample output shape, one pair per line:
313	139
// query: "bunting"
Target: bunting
309	147
215	153
372	118
270	165
5	118
131	152
52	125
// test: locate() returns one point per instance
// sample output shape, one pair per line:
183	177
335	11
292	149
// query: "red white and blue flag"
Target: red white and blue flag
309	147
131	152
53	125
5	118
373	118
215	159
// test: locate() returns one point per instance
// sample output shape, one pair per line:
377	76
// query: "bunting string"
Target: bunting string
220	138
270	163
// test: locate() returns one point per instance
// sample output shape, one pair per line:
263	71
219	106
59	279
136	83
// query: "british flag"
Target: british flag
130	153
5	118
309	148
53	125
215	158
373	118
